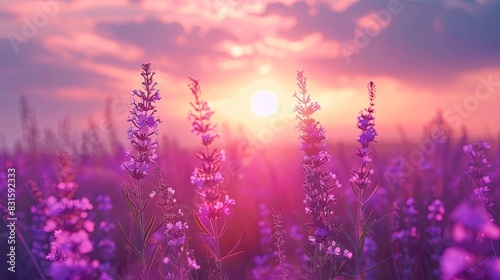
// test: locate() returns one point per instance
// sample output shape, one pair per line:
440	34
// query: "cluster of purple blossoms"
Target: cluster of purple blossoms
395	177
471	254
69	246
436	211
68	218
366	123
56	248
208	178
478	171
336	250
282	270
177	252
319	185
404	237
144	128
66	187
262	268
434	231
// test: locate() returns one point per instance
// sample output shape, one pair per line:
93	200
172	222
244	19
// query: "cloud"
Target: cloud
92	49
426	43
37	69
156	38
91	45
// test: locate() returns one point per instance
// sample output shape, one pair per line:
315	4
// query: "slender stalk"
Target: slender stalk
217	247
320	272
35	263
130	232
140	219
357	236
142	135
360	179
358	231
214	201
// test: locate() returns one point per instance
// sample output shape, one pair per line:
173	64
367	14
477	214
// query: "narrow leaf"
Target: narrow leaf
153	260
210	251
348	209
128	240
370	197
130	205
376	221
223	229
156	229
234	247
304	250
377	265
306	227
148	232
227	256
355	191
349	238
201	225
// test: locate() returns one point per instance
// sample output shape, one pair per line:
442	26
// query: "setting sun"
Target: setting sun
264	103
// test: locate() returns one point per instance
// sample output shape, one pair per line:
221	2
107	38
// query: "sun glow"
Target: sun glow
264	103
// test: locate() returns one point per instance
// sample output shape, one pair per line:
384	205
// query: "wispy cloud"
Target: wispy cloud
90	49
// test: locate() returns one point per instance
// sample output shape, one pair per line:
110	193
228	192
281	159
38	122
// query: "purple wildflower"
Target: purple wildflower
208	178
176	253
66	186
404	237
366	123
434	230
144	128
214	202
104	203
319	185
478	171
282	272
56	251
69	253
436	211
142	135
262	268
470	255
175	229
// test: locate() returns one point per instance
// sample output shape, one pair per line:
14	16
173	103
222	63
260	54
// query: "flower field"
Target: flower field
320	209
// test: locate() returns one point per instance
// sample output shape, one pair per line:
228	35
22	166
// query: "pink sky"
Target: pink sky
68	57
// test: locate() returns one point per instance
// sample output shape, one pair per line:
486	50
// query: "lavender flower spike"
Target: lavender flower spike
366	123
207	178
319	184
144	129
478	171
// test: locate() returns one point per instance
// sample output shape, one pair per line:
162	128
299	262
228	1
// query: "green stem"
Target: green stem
358	229
140	219
217	248
33	259
320	267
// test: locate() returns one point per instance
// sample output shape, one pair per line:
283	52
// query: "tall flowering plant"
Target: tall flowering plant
360	183
282	269
405	236
478	172
263	268
434	231
366	123
178	258
67	218
213	201
319	184
144	127
142	136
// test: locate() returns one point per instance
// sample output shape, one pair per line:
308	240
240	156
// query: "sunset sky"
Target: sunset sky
68	57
